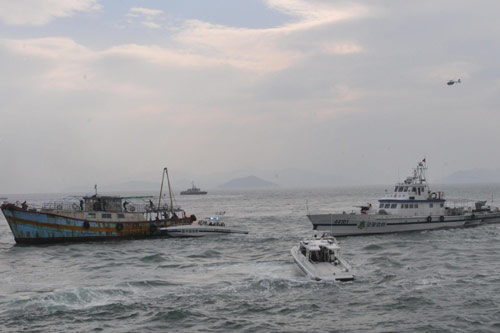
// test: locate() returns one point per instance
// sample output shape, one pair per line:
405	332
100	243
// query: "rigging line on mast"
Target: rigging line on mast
170	192
161	190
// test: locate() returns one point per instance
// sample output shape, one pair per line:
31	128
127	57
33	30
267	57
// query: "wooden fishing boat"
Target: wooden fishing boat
93	218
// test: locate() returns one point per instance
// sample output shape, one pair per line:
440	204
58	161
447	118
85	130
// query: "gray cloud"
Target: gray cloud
359	98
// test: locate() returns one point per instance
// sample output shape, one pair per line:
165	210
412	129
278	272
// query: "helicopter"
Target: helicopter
452	82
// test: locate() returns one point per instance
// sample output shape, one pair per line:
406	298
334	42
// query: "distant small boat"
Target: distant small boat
3	198
193	191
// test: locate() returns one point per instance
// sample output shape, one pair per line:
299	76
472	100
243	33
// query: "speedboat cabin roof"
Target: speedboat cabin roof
311	246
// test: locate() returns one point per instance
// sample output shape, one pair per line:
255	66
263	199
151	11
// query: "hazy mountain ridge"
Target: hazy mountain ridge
285	178
250	182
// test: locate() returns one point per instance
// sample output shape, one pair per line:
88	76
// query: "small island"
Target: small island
250	182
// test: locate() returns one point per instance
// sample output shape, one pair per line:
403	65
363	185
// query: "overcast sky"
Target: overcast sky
98	91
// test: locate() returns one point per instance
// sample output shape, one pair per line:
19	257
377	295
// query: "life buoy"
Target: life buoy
153	228
86	225
434	195
429	218
441	218
75	206
119	226
131	208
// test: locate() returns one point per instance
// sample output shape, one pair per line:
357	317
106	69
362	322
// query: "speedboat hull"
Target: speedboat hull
200	231
366	224
321	271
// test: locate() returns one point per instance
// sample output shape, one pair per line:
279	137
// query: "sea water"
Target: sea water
431	281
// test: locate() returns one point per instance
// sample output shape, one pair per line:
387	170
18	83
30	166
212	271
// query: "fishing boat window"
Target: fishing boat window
106	216
91	214
394	206
121	216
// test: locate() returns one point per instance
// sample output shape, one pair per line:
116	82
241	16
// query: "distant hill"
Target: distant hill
473	176
249	182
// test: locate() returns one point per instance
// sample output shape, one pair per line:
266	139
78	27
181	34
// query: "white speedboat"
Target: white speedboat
202	228
411	207
320	259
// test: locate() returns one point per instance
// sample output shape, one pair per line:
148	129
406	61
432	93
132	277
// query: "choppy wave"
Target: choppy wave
441	281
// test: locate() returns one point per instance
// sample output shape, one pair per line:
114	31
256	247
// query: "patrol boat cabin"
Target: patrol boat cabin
412	197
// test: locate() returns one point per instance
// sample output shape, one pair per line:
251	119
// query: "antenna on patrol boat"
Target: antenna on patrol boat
95	187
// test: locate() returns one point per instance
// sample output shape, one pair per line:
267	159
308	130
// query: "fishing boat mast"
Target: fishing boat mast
170	192
165	171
